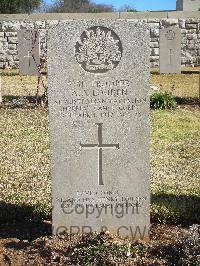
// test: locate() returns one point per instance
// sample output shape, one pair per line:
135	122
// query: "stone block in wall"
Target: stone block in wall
154	44
6	64
154	33
2	34
191	36
12	63
12	40
153	20
191	25
181	23
50	23
154	63
3	52
43	35
191	20
2	39
16	57
2	57
184	31
3	46
12	46
43	46
154	25
191	31
192	45
11	34
155	51
11	25
183	53
40	24
9	57
154	39
183	34
12	52
165	23
183	60
144	20
184	41
193	53
154	58
16	64
27	25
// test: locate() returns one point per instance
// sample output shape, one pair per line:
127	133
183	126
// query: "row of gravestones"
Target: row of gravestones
98	94
170	51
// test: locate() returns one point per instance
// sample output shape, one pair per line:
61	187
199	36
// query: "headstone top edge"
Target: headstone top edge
94	22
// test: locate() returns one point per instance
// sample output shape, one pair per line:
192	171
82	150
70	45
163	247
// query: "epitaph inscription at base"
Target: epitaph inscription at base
29	52
99	130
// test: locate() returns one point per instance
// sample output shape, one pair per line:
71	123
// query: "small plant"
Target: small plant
190	246
95	250
160	100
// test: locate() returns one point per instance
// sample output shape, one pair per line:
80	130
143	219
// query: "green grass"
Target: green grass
175	149
25	170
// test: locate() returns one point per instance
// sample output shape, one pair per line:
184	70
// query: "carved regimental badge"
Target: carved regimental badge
98	50
170	35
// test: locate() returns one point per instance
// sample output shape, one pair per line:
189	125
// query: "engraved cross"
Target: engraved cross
99	146
170	56
29	57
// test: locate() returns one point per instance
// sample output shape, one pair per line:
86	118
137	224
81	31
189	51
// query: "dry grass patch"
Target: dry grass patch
182	85
24	163
15	85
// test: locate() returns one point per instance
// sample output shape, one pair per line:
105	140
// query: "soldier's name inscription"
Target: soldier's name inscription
105	99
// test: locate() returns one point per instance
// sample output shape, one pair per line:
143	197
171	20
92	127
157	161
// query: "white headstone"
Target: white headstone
29	52
170	50
99	127
188	5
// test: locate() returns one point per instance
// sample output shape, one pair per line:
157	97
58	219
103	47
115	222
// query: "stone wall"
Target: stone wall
189	22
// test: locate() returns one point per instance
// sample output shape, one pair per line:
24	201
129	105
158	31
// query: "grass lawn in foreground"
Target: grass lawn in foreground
25	168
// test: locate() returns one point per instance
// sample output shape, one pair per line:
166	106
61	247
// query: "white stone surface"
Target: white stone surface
98	91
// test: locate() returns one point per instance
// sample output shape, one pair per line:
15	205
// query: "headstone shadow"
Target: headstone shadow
22	222
176	209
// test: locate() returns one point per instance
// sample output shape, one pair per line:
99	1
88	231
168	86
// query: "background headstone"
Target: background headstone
29	52
0	91
98	88
188	5
170	50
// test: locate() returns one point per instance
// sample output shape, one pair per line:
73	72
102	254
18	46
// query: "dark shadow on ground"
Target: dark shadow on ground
189	72
23	222
25	102
187	100
28	98
175	209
